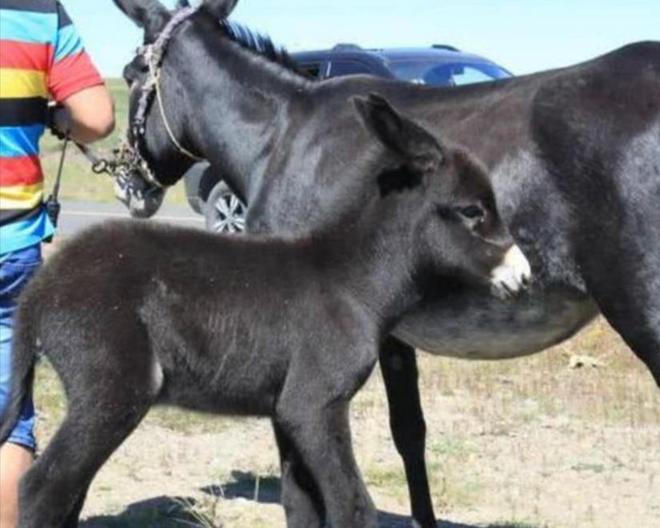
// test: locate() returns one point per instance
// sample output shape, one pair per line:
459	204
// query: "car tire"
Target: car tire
224	212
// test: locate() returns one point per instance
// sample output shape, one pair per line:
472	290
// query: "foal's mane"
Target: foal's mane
260	45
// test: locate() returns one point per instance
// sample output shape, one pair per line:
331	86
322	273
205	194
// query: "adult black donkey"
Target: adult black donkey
574	159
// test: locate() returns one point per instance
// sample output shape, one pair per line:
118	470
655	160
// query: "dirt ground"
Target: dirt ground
527	443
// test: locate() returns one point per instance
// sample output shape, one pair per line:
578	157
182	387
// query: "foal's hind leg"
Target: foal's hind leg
301	498
398	364
110	387
72	519
52	491
74	515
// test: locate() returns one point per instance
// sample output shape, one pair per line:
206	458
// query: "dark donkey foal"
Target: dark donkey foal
288	329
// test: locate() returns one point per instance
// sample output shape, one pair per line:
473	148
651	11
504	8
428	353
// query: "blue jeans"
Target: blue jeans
16	269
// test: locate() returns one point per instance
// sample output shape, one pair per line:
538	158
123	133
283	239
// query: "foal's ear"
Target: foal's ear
219	9
148	14
418	149
381	119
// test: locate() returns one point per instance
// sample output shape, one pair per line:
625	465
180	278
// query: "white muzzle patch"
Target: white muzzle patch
512	275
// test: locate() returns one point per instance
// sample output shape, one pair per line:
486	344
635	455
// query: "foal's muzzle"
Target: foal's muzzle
512	275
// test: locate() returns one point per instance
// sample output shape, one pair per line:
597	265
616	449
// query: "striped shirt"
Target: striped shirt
41	57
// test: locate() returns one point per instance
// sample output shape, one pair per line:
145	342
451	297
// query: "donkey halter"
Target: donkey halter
153	56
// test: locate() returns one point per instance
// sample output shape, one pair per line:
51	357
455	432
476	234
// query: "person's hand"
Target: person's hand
58	120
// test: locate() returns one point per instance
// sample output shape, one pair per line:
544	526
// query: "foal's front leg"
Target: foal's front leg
301	497
321	435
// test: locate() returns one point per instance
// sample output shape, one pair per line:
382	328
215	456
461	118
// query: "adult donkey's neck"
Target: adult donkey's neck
236	99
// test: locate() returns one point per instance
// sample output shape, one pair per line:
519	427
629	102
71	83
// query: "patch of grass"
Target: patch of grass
451	487
186	421
78	180
201	514
595	468
510	392
451	447
385	477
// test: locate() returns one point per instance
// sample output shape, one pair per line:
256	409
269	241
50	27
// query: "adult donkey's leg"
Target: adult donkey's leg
626	285
622	268
631	304
301	498
398	364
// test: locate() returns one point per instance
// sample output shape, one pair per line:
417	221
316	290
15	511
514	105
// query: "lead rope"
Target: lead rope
127	158
99	165
173	138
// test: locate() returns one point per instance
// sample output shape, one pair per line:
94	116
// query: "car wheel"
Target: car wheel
224	212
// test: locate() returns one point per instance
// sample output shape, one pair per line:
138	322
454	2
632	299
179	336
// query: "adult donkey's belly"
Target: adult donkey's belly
475	325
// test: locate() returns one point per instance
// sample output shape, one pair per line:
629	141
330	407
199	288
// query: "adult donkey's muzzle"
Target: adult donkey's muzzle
512	275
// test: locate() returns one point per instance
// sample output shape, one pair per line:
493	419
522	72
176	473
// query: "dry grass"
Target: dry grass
504	431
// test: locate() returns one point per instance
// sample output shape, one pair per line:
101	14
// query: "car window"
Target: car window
471	75
348	67
431	72
311	69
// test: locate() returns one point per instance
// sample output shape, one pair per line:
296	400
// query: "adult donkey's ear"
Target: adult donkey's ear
148	14
219	9
416	146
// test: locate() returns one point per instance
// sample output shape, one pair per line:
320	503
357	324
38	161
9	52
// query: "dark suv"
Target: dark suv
439	65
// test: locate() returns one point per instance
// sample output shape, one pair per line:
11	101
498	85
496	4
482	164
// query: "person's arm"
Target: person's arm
87	115
75	84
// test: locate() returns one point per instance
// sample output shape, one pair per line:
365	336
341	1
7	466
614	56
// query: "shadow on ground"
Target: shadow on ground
159	512
264	490
174	512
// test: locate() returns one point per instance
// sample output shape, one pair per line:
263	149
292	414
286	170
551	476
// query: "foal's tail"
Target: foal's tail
24	349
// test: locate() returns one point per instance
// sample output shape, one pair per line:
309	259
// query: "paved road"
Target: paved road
78	215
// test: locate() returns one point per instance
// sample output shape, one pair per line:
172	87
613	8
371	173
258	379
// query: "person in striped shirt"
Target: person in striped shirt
41	58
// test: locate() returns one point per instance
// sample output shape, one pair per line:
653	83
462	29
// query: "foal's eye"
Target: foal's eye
472	212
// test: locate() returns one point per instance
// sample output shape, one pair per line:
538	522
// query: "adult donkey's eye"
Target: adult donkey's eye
472	212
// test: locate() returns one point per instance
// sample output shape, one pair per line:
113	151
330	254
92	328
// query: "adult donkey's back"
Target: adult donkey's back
574	154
